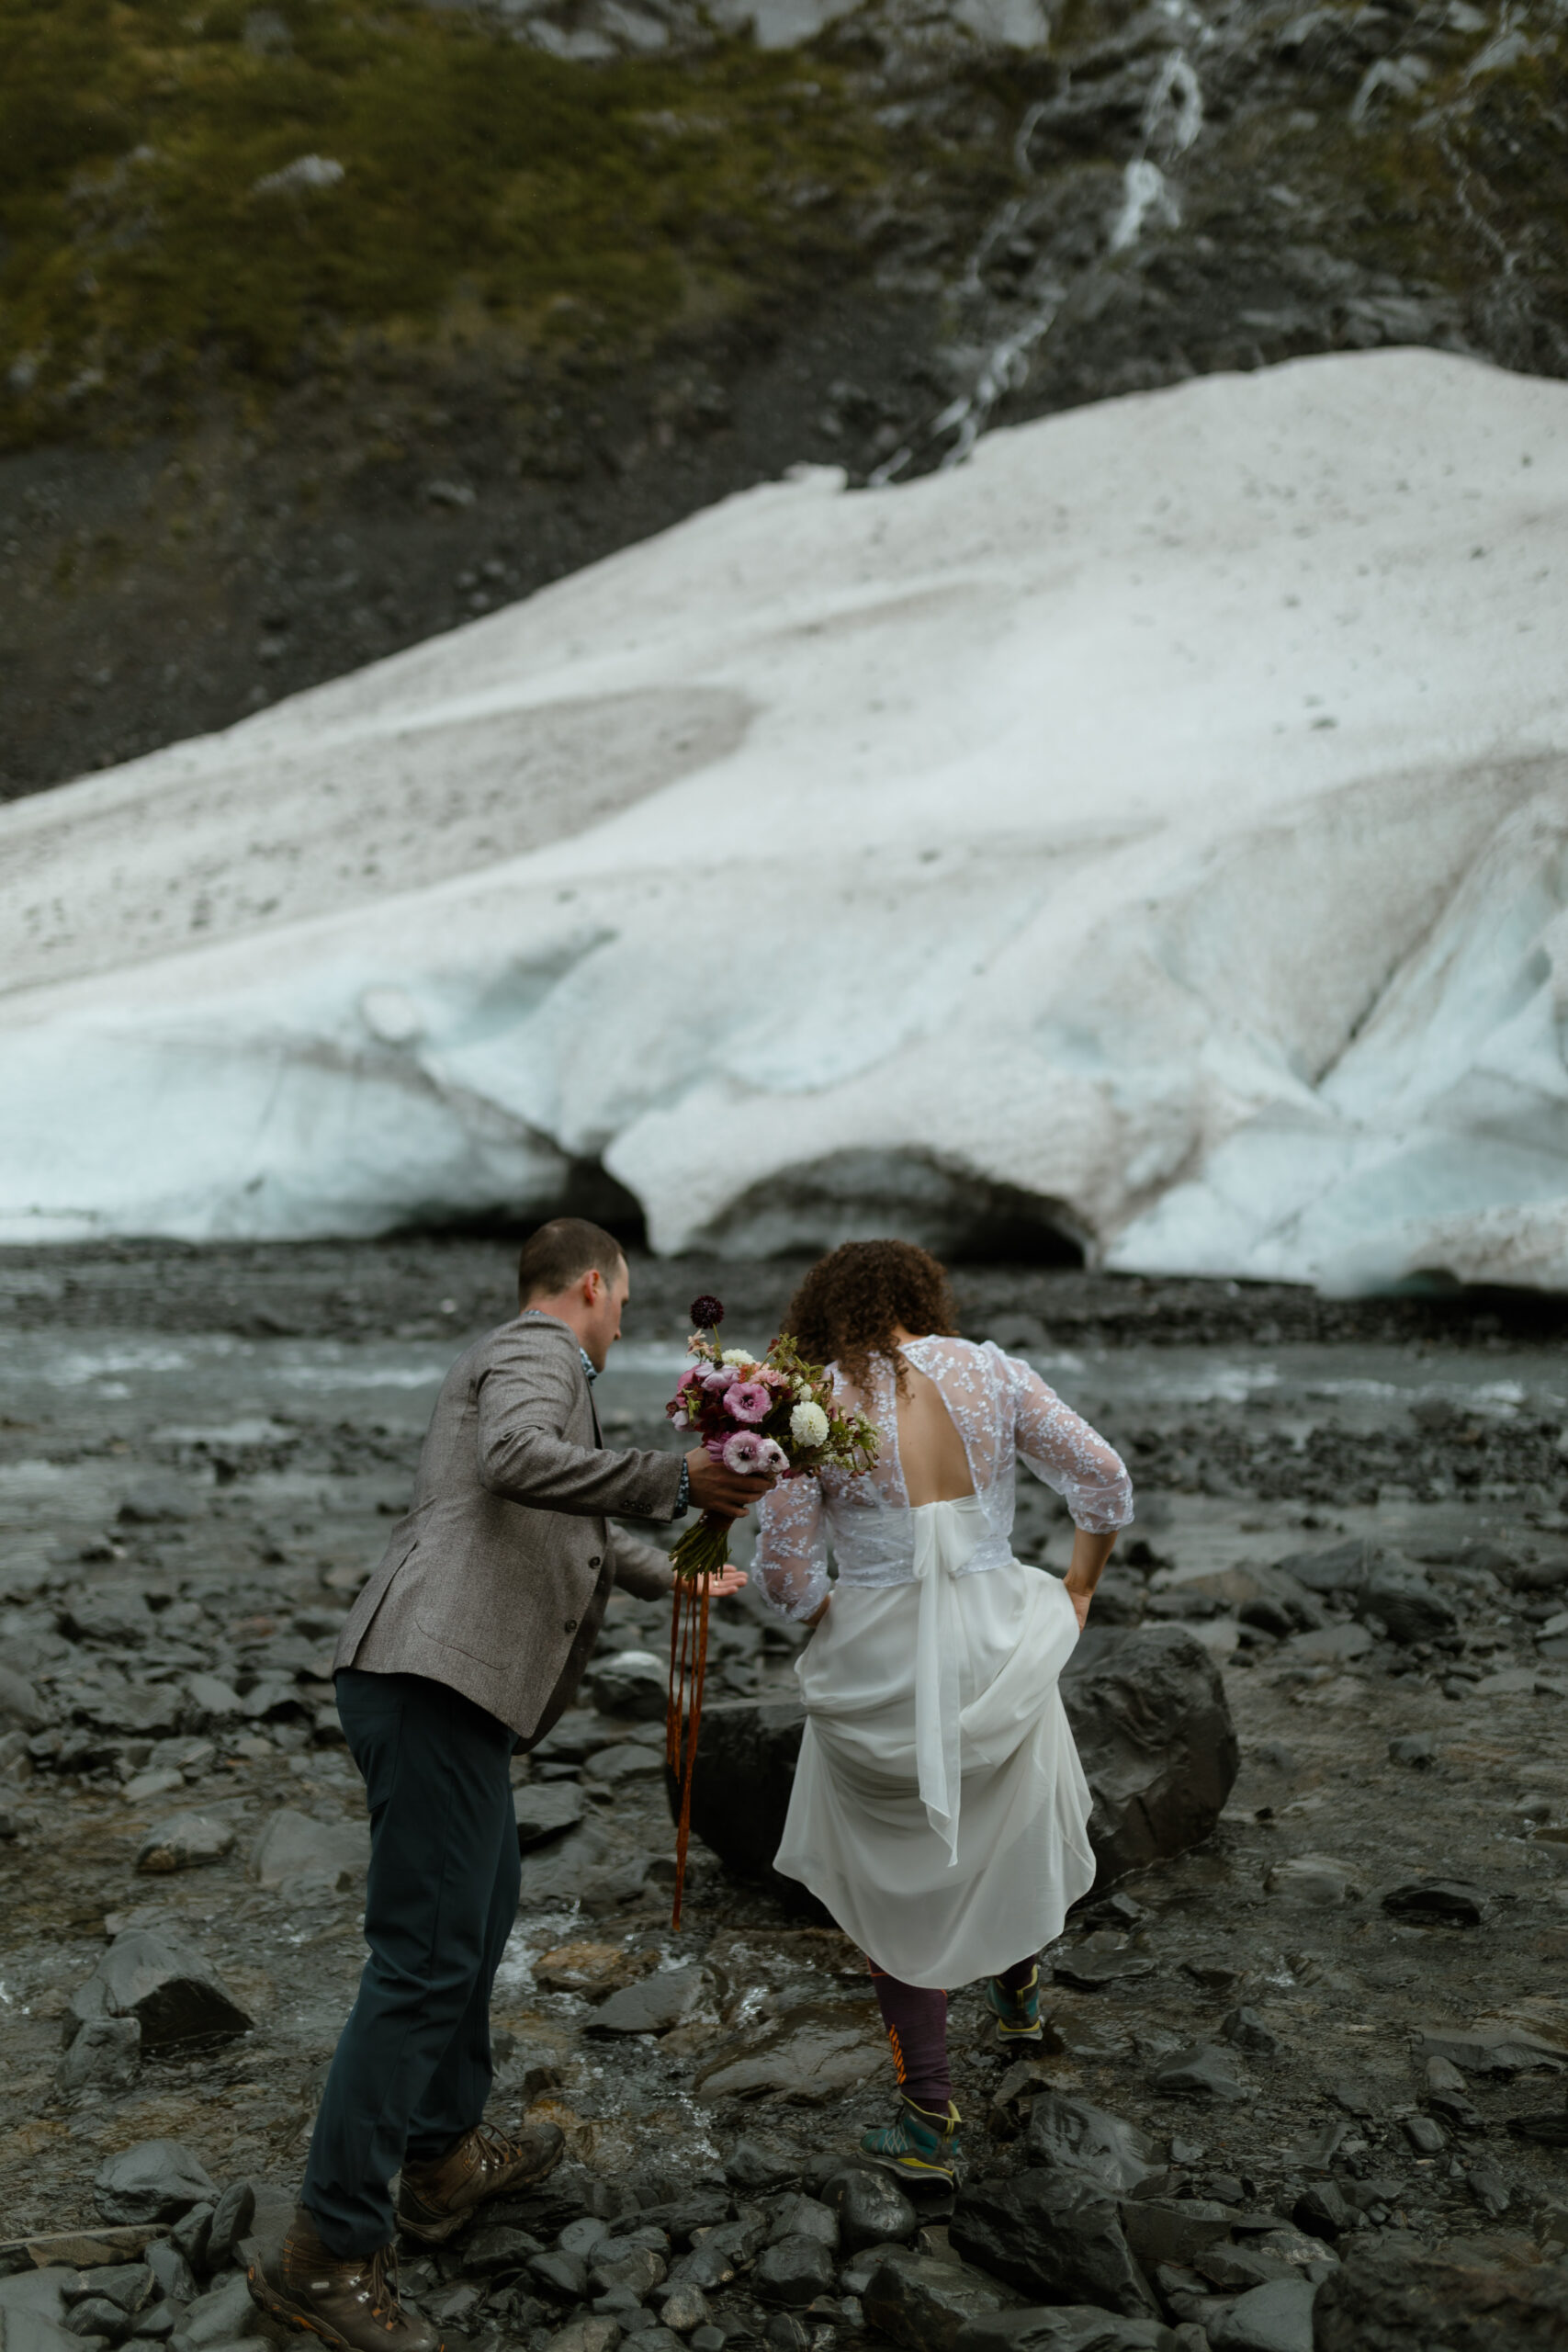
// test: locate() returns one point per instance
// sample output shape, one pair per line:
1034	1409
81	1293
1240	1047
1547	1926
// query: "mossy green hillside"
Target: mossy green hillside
489	192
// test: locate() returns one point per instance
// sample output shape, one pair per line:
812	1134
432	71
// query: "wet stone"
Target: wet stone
795	2270
157	2180
1417	1749
175	2278
653	2005
547	1809
1245	2030
1065	2327
184	1841
128	2285
922	2303
1453	1902
1173	2229
173	1992
871	2210
1071	2134
809	2052
105	2055
496	2250
1202	2071
631	1682
757	2163
560	2274
804	2217
1399	2295
1273	2318
1053	2236
683	2308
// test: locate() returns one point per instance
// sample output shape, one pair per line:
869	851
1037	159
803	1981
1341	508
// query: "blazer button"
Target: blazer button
596	1561
571	1625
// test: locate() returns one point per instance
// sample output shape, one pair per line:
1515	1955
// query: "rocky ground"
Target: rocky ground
1333	2032
258	430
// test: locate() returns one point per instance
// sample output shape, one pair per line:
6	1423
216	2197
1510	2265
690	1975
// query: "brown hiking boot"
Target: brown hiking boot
435	2200
351	2303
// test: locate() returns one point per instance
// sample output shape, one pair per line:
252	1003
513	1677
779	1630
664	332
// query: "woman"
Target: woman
939	1807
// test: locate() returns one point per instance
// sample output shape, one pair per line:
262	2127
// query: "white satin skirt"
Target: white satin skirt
940	1810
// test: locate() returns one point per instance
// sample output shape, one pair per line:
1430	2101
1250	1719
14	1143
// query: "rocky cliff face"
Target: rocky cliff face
320	335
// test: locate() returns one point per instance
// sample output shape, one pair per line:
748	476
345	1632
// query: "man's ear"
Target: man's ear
592	1283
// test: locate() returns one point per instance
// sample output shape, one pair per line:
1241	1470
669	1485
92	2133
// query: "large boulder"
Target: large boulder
1055	2236
1147	1708
1400	2298
1154	1734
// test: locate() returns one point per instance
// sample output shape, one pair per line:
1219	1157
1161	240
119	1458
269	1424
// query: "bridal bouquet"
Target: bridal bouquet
774	1414
757	1415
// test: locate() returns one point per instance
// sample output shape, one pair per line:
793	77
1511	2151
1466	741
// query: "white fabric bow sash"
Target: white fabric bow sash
946	1537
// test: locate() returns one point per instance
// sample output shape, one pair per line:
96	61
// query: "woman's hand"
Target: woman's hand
728	1579
817	1615
1080	1597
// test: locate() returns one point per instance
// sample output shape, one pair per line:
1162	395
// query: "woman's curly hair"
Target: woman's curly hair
852	1301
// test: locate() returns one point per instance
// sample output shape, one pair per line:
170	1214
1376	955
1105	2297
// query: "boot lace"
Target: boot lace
493	2147
385	2302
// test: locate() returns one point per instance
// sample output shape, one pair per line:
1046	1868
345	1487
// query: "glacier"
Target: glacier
1148	838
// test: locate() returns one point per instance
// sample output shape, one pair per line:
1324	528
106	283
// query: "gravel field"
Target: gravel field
1324	2073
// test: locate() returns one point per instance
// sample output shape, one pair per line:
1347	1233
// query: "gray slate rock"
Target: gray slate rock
293	1850
1069	2135
756	2164
1453	1901
871	2210
1202	2071
1343	1568
1154	1732
20	1708
96	2318
29	2331
1413	1609
40	2293
1275	2318
1490	2049
183	1841
224	2315
1054	2235
547	1809
922	2303
1172	2229
652	2005
175	1994
175	2279
794	2271
1245	2030
1399	2295
104	2053
631	1682
128	2286
806	2053
1065	2327
157	2180
804	2217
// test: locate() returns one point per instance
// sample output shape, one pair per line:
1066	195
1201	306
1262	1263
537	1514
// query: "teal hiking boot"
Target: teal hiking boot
919	2145
1017	2014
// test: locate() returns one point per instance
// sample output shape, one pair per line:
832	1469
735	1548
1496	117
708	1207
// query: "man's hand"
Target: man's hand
730	1579
723	1492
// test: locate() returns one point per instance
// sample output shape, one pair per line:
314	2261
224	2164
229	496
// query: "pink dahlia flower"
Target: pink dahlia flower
744	1452
719	1377
749	1401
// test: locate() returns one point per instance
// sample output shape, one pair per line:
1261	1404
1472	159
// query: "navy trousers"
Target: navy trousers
412	2071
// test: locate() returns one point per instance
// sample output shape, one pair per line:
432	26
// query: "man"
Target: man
468	1642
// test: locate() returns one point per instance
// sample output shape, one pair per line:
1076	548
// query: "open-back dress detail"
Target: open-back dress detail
938	1808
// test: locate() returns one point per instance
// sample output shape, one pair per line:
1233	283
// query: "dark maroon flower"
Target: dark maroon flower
706	1311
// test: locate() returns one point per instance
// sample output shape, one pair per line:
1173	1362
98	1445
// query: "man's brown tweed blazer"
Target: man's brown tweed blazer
496	1580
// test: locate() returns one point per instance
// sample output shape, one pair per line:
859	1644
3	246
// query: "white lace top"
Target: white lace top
1000	1409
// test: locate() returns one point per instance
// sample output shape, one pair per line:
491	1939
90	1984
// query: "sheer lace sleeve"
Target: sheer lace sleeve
791	1561
1060	1447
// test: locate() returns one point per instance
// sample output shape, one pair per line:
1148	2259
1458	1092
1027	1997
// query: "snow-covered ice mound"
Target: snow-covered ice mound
1158	827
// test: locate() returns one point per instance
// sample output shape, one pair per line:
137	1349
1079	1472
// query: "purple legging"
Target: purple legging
916	2019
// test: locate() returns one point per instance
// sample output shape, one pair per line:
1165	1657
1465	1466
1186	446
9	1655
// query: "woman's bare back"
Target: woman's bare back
930	1452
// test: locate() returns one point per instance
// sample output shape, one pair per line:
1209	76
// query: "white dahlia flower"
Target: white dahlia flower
808	1424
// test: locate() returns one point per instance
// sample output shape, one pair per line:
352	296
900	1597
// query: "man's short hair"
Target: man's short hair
558	1254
